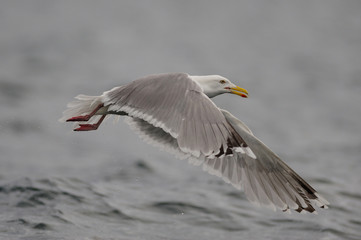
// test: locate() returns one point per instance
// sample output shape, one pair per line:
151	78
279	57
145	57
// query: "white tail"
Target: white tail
82	106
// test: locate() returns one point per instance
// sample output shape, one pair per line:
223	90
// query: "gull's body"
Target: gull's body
174	111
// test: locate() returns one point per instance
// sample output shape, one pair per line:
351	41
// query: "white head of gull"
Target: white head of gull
214	85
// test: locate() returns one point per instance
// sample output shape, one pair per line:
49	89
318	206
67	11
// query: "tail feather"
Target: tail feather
83	105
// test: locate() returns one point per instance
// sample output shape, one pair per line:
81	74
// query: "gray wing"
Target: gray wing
177	105
266	180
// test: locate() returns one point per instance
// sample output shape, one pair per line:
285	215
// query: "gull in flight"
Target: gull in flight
174	112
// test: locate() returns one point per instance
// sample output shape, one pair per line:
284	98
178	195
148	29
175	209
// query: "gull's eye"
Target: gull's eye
222	81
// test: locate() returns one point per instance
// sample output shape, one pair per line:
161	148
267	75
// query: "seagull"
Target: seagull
174	112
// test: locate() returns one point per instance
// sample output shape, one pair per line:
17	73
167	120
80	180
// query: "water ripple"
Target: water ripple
178	207
31	196
351	195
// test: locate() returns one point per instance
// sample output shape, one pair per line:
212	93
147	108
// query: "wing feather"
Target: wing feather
266	180
280	184
177	104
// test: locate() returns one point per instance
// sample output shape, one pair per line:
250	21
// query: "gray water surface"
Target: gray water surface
300	61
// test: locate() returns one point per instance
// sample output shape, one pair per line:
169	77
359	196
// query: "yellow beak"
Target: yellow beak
239	91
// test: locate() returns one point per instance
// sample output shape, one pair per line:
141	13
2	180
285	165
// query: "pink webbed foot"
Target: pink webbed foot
79	118
87	127
85	118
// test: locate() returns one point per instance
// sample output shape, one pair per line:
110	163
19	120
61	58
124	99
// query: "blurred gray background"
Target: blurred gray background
299	60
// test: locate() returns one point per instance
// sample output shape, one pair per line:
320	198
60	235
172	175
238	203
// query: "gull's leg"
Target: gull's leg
90	127
85	117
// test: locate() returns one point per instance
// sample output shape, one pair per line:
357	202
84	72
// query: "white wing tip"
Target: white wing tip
250	153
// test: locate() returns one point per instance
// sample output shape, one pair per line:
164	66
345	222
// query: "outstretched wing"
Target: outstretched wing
177	105
266	180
